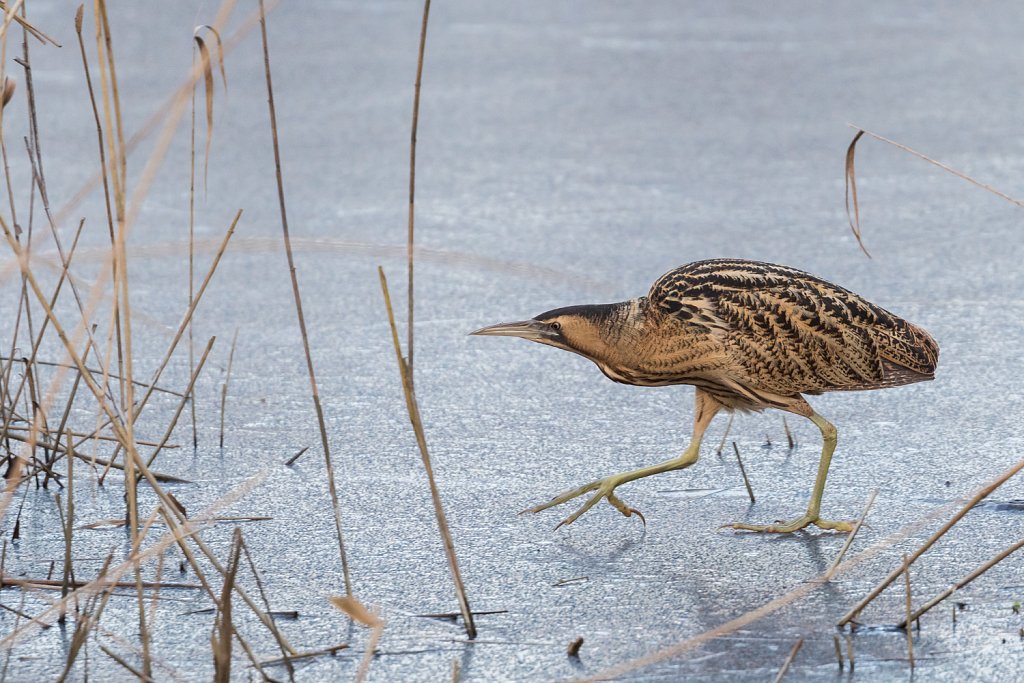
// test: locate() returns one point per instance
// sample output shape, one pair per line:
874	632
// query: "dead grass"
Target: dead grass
789	661
42	435
851	180
358	612
332	487
412	406
978	496
743	471
29	402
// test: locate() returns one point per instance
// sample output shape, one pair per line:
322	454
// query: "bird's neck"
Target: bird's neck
614	334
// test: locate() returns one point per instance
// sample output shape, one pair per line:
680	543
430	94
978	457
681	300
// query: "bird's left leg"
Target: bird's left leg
705	410
829	438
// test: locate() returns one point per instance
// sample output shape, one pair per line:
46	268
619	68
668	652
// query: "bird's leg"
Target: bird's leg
828	433
706	407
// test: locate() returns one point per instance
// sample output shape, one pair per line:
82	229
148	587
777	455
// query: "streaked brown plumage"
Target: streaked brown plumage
748	336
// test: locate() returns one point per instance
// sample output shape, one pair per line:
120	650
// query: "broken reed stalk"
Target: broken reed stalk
106	523
851	181
224	387
789	434
332	650
743	471
83	437
192	254
146	678
22	615
981	569
357	612
412	183
209	79
789	661
851	192
944	167
35	32
980	495
849	537
140	596
220	639
196	369
839	651
56	584
725	435
65	366
69	523
266	605
291	460
910	635
58	448
421	440
335	505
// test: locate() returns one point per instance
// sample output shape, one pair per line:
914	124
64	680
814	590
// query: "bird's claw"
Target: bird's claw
604	488
625	509
792	525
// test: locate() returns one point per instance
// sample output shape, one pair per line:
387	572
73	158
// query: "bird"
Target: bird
748	336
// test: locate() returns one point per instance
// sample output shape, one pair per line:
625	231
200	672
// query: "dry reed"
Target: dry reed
224	387
335	505
960	583
743	471
358	613
910	635
789	661
412	407
979	495
412	188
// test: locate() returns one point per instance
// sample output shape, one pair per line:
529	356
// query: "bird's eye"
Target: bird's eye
556	326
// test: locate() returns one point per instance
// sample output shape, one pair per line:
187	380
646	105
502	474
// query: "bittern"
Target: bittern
748	336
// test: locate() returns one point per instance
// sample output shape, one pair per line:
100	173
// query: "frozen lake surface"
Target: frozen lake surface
568	153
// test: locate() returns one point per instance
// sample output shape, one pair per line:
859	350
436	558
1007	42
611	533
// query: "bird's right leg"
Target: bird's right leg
828	434
705	410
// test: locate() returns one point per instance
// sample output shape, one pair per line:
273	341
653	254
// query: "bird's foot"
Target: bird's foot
604	489
793	525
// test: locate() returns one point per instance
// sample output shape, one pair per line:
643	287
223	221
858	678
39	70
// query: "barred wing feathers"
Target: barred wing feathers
789	332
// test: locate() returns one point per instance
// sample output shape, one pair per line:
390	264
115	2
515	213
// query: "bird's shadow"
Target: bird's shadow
582	548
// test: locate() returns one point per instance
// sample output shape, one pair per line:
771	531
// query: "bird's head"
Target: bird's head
580	329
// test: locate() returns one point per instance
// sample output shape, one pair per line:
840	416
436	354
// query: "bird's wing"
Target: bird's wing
789	332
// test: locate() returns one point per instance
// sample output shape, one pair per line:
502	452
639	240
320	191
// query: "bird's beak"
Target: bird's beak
534	330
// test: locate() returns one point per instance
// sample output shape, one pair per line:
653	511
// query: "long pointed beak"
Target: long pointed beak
534	330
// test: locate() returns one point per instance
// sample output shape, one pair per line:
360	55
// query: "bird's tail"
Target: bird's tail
909	354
